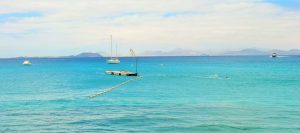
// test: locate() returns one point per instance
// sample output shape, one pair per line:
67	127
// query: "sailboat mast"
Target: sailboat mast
136	60
136	64
111	46
116	50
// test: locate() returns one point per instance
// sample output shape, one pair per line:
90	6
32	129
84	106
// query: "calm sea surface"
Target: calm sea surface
176	94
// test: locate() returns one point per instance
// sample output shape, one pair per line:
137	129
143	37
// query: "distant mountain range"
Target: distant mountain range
243	52
175	52
81	55
84	55
262	52
186	52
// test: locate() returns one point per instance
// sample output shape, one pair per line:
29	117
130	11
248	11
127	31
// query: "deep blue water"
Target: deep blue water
176	94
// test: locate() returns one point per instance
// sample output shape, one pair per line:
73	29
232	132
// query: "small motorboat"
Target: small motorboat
27	63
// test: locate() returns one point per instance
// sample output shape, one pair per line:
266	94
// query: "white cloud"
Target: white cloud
68	26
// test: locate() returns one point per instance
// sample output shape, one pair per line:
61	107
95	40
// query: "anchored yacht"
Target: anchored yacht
113	60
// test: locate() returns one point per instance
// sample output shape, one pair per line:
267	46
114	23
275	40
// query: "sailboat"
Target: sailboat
113	60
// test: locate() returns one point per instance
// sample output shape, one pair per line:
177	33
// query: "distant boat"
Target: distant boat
274	55
26	63
113	60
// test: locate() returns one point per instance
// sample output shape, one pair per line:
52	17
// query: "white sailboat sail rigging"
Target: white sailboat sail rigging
113	60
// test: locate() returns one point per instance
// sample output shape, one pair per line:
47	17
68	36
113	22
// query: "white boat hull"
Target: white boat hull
113	61
26	63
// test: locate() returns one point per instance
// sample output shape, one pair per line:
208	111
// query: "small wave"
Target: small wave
278	117
282	56
167	75
198	77
211	128
222	127
279	56
216	76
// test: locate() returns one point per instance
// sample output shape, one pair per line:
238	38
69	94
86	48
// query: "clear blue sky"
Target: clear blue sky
287	3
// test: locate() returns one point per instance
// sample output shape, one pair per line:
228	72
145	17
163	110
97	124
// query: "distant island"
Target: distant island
243	52
84	55
262	52
81	55
187	52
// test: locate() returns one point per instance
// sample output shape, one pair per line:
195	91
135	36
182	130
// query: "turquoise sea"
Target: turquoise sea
176	94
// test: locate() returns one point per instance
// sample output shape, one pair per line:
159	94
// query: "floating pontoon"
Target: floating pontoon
121	73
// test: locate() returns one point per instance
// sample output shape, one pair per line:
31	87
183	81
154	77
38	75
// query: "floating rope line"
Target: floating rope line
114	87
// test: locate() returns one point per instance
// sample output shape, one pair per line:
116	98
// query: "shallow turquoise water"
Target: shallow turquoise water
177	94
